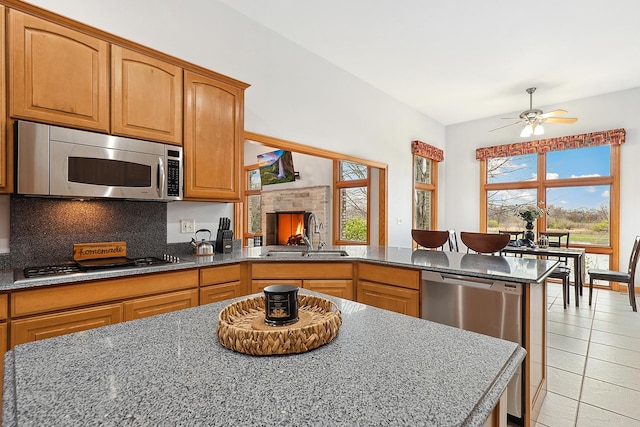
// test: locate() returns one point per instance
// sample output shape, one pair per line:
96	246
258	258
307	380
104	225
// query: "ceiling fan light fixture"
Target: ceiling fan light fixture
538	130
527	131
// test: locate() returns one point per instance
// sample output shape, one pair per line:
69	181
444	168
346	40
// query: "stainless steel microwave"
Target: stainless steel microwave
57	161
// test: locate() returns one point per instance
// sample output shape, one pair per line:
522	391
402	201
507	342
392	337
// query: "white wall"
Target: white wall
610	111
295	95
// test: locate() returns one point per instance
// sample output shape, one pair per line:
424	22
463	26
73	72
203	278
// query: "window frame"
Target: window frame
541	185
246	192
338	185
432	188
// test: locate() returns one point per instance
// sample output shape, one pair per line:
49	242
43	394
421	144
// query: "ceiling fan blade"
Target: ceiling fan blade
553	113
561	120
506	126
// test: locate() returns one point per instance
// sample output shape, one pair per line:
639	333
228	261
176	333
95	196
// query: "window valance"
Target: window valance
593	139
427	151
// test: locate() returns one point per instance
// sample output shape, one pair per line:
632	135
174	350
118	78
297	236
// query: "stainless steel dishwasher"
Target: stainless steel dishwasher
480	305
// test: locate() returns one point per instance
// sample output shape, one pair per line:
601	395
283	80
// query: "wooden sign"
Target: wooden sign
99	250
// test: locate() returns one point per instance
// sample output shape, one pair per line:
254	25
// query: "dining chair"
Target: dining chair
513	235
484	243
430	239
562	271
453	241
627	277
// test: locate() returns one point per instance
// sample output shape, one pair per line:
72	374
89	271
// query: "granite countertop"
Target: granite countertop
513	269
383	368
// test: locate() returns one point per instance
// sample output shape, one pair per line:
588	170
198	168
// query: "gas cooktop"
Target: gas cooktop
93	265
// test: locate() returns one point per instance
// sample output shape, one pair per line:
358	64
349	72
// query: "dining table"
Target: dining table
576	254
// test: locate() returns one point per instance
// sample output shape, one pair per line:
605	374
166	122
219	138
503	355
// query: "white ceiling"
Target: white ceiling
461	60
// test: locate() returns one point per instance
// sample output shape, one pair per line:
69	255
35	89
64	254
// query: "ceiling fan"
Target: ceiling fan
533	118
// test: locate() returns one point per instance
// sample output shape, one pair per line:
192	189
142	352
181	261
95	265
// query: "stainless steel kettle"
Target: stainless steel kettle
202	247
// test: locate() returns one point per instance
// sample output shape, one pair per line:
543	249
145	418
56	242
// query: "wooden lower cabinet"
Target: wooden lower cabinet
159	304
221	292
391	288
393	298
53	325
222	283
334	279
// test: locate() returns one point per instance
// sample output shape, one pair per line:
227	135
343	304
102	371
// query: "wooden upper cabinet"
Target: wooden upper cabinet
213	138
57	75
146	97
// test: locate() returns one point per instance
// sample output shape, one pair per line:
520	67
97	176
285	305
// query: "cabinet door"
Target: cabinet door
53	325
57	75
3	350
337	288
259	285
158	304
213	138
393	298
221	292
146	97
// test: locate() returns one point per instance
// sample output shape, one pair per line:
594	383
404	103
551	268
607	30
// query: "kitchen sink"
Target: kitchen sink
276	253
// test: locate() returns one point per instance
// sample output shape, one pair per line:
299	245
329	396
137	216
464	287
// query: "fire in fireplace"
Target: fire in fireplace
286	228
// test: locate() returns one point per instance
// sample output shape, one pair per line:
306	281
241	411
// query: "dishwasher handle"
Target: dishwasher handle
474	282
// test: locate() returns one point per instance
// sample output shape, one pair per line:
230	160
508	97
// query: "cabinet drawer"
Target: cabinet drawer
390	275
302	270
41	327
74	295
4	306
393	298
259	285
158	304
222	274
221	292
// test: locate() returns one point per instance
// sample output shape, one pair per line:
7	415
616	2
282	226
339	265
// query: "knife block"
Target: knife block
224	241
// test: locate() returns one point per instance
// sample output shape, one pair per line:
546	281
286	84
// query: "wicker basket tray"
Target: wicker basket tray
241	327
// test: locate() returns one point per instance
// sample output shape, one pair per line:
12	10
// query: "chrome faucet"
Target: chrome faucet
308	240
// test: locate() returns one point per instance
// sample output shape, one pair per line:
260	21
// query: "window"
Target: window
351	202
252	200
577	186
425	185
424	193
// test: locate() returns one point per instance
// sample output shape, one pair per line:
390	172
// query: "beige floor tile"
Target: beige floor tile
565	360
614	354
558	411
573	345
591	416
616	340
611	397
613	373
572	331
630	329
570	319
564	383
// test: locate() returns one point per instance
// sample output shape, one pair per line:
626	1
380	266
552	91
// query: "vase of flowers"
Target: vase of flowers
530	213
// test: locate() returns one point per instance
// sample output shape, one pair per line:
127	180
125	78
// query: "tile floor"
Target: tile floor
593	356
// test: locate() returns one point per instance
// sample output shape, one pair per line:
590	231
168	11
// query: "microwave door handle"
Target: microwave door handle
161	178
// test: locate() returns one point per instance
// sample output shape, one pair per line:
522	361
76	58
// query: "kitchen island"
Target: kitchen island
383	368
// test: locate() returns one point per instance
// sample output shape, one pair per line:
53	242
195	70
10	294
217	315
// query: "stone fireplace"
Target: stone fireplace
286	214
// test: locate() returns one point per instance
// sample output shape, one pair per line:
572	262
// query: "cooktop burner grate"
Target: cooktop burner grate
72	267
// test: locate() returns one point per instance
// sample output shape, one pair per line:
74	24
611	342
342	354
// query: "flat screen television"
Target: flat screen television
276	167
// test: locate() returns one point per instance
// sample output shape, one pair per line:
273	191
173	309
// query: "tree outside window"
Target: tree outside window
351	202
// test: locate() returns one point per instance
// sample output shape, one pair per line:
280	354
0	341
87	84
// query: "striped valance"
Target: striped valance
423	149
593	139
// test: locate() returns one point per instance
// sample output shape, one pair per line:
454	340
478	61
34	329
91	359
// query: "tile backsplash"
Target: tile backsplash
43	231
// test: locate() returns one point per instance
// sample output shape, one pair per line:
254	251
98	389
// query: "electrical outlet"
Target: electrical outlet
187	226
